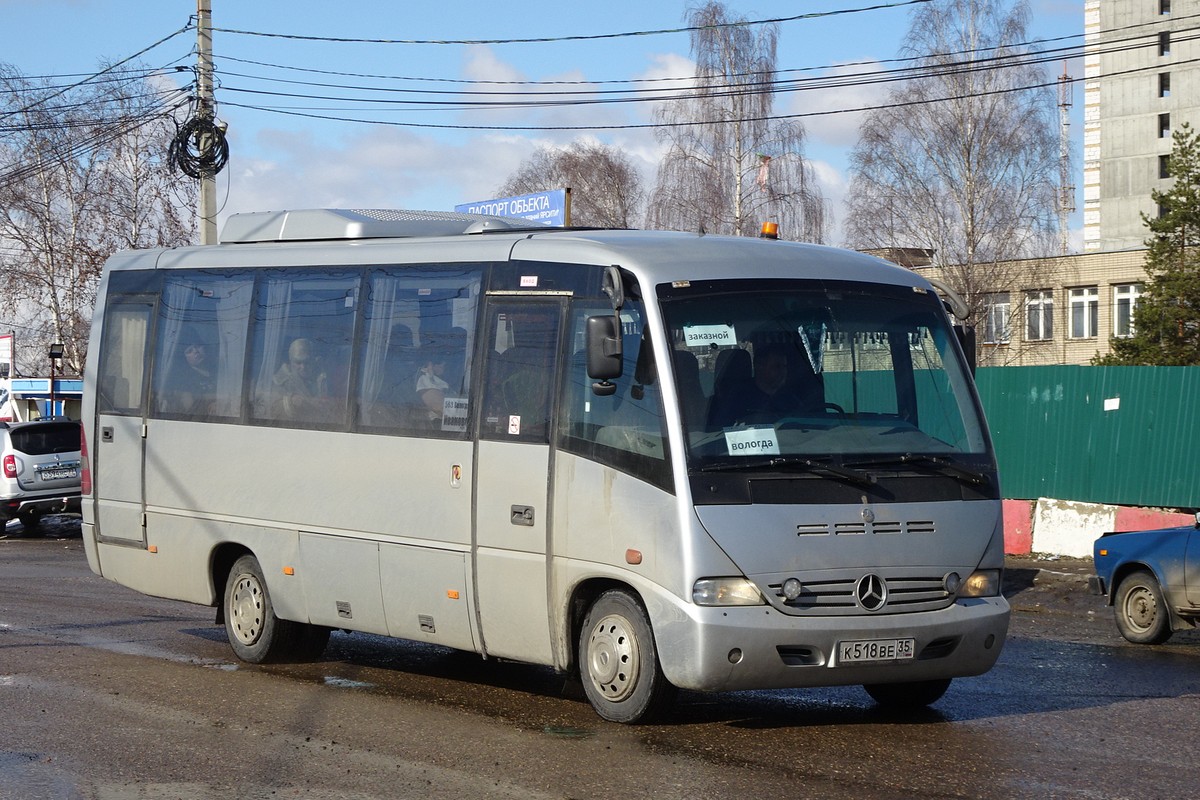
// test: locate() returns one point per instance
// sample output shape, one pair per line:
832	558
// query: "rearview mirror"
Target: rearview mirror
604	360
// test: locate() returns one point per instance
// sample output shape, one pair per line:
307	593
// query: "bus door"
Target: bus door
512	474
117	442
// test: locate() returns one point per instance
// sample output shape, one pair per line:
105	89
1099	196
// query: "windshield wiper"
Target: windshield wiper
943	465
845	473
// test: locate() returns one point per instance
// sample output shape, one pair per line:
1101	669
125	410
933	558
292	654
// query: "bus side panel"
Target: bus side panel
426	596
341	580
600	514
406	489
176	563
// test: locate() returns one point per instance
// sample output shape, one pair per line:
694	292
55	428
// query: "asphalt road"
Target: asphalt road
107	694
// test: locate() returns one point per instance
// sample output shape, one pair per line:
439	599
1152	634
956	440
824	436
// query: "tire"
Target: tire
255	633
313	641
907	696
30	520
1141	612
618	661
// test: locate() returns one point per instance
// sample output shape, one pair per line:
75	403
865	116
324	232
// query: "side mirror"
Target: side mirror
604	352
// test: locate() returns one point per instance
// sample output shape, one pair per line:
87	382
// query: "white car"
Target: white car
40	467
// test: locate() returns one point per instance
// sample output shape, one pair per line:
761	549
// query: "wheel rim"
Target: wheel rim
1141	609
613	660
246	609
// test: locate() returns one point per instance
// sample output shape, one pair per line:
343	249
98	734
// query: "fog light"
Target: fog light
735	656
951	583
792	588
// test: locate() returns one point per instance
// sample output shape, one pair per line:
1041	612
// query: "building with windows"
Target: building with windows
1141	81
1068	315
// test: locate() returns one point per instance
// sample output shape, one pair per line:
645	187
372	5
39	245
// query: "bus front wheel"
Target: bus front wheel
618	661
255	633
907	696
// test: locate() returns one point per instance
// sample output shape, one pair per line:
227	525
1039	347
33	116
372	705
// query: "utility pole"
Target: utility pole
206	112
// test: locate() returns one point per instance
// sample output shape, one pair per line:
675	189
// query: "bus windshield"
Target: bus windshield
772	369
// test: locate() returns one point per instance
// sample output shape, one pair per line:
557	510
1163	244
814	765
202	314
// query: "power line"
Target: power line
92	77
572	38
688	123
675	79
556	99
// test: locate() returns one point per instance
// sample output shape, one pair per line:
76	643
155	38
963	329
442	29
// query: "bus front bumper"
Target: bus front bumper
757	647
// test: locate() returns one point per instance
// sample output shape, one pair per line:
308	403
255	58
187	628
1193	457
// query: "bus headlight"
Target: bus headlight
726	592
982	583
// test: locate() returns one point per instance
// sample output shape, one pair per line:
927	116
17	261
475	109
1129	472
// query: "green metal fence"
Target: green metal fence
1120	435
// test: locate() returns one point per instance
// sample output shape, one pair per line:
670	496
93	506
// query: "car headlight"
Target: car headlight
726	592
981	583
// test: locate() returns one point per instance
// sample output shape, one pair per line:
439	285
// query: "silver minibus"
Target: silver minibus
654	460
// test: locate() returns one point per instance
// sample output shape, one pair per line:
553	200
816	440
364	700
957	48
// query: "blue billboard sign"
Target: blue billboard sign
551	208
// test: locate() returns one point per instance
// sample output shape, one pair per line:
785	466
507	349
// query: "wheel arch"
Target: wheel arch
224	556
582	597
1126	569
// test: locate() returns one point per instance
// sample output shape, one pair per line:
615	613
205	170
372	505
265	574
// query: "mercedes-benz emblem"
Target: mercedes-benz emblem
871	592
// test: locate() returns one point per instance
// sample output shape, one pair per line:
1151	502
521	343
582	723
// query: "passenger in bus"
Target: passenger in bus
300	388
192	383
432	388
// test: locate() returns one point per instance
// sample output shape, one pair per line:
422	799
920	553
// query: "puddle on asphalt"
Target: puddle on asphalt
346	683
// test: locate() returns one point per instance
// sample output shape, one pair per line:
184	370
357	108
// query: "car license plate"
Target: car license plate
58	474
876	650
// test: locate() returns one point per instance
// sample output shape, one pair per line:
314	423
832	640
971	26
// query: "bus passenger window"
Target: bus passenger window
414	365
304	329
201	345
122	365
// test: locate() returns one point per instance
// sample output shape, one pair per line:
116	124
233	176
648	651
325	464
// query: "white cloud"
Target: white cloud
838	129
377	167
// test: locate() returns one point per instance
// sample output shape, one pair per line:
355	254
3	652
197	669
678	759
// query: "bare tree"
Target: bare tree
964	161
729	165
606	188
82	174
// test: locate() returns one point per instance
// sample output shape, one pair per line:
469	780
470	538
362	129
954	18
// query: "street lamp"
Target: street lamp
56	352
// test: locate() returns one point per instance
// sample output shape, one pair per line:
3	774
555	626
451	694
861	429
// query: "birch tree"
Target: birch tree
729	165
964	161
606	188
82	174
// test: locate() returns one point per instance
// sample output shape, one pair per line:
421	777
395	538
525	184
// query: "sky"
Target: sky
288	158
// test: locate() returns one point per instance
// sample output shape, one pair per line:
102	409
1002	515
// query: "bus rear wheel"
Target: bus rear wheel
255	633
618	661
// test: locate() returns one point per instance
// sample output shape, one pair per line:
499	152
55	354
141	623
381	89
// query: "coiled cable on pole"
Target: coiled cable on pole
199	148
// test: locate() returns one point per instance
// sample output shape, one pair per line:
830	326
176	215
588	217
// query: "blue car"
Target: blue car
1151	579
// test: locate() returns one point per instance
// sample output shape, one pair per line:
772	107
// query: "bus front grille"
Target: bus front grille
905	594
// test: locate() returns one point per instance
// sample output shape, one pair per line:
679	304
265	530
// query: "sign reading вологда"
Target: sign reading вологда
543	208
